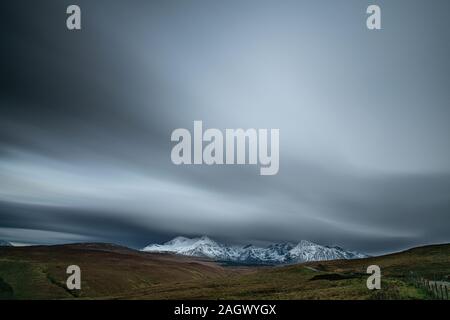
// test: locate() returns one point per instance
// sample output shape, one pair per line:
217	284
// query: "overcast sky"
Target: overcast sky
364	119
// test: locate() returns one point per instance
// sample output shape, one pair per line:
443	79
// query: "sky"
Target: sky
364	119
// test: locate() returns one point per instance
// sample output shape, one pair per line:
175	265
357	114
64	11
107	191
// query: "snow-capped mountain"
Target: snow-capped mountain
197	247
4	243
276	253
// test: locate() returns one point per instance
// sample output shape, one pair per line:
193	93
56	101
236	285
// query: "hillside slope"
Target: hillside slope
338	279
39	272
115	272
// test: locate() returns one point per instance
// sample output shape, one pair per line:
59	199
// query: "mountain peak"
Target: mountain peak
178	239
306	243
207	239
4	243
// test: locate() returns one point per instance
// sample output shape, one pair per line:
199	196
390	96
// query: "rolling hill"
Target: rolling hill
115	272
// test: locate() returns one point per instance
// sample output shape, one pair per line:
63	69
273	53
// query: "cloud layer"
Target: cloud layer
86	119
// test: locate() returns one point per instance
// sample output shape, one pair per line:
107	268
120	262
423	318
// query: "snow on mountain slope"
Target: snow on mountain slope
197	247
308	251
276	253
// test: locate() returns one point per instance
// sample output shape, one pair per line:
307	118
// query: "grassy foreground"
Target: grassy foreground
114	272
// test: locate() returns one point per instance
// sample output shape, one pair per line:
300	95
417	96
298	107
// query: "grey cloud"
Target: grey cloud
86	119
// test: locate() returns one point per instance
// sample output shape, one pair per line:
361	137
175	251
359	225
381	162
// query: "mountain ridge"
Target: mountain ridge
275	253
4	243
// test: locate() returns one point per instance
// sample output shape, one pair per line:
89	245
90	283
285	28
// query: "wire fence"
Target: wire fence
437	289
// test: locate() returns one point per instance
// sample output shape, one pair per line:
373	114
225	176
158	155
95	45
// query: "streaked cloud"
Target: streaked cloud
364	118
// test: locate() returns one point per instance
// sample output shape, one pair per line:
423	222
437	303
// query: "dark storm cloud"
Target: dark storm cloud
86	119
74	224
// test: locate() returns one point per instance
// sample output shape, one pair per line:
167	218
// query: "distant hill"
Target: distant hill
4	243
276	253
115	272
